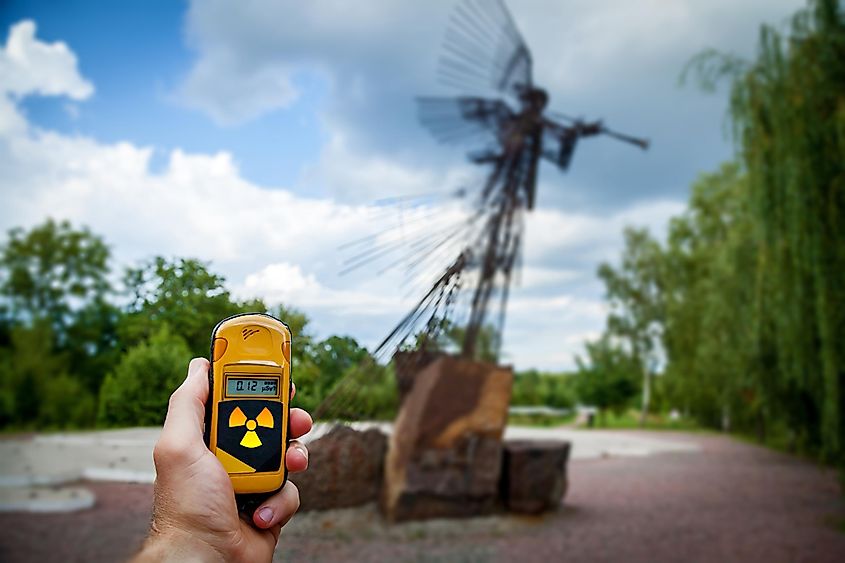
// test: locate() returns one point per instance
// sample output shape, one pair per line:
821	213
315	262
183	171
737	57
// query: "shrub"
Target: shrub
67	404
137	391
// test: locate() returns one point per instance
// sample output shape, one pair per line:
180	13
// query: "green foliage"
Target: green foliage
342	380
533	388
789	115
747	294
137	391
318	366
709	303
57	274
181	293
780	268
630	418
60	334
541	420
608	377
92	343
368	393
335	355
66	403
35	389
634	290
46	269
322	366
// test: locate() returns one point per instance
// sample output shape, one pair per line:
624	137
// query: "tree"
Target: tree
58	274
708	285
607	378
36	390
183	294
788	113
634	292
543	389
335	355
136	392
51	272
366	391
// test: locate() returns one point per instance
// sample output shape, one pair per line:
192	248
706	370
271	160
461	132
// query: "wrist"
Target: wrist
177	545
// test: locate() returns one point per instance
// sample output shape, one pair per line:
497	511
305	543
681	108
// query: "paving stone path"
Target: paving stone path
701	498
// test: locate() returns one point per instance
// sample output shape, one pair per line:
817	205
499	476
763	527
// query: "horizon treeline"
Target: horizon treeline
79	348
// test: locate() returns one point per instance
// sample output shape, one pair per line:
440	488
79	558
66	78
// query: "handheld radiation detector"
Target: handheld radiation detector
249	402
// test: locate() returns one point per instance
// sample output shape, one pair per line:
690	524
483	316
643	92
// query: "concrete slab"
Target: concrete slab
50	459
592	444
44	499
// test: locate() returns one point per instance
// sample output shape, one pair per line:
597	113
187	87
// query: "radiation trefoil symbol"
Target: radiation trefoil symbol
251	439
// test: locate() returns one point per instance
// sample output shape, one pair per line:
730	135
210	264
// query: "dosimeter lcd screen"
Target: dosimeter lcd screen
252	386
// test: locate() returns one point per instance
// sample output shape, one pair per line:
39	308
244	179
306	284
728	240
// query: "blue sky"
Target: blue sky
256	135
136	54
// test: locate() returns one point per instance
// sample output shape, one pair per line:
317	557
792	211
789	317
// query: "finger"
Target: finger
296	458
278	509
186	410
292	390
300	423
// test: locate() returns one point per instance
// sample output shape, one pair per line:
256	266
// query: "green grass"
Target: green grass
614	421
630	419
540	420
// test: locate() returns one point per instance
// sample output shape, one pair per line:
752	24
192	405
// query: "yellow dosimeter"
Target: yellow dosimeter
249	403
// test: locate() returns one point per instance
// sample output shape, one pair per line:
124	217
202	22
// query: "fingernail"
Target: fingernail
266	514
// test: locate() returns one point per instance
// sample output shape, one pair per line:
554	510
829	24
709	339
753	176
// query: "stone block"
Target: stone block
534	477
445	453
344	469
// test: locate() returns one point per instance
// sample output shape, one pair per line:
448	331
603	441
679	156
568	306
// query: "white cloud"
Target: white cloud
247	53
29	66
199	205
546	333
542	277
244	95
353	175
286	283
551	233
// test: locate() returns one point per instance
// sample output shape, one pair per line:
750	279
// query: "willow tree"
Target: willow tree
788	114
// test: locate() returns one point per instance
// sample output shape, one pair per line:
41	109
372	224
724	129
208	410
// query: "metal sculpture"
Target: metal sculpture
512	131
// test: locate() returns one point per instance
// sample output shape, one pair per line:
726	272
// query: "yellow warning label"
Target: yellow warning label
251	439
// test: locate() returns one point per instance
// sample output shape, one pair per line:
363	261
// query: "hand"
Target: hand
194	512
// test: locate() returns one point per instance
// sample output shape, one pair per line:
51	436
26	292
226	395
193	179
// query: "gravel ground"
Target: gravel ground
729	501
